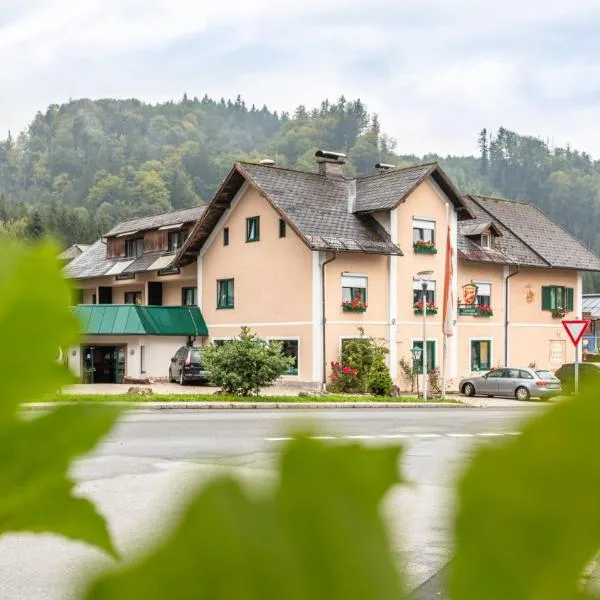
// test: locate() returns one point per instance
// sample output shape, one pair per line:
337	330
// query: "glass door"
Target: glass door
119	364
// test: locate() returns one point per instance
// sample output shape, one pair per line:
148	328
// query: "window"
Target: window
556	297
525	375
354	286
495	374
481	351
134	247
176	239
253	229
430	355
484	293
226	236
282	228
423	231
486	240
94	299
418	292
225	293
290	348
220	342
142	359
133	297
188	296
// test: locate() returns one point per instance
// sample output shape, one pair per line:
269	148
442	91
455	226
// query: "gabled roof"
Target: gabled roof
385	191
315	206
73	251
538	236
175	217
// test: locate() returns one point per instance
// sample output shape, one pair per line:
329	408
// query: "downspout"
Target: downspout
323	321
506	315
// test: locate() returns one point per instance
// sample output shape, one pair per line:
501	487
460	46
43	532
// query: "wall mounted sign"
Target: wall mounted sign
469	295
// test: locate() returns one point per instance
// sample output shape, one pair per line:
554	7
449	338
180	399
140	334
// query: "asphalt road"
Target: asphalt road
144	471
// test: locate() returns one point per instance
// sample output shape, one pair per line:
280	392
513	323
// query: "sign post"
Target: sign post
575	330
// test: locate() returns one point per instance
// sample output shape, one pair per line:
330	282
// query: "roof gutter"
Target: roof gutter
324	318
506	321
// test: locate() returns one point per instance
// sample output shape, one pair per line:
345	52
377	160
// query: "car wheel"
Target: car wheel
468	389
522	393
181	379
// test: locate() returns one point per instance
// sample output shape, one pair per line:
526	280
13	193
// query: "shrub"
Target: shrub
359	354
245	364
379	382
343	379
408	374
435	386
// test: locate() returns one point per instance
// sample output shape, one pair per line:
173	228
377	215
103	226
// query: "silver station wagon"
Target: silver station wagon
521	384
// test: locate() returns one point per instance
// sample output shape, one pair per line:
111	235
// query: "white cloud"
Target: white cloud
436	73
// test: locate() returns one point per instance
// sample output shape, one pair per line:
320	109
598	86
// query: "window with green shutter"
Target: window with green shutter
556	297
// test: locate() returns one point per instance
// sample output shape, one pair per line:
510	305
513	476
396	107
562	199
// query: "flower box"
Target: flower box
484	311
559	313
431	309
354	306
424	248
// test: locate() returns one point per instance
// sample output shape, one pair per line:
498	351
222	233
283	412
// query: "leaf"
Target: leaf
36	454
317	536
528	521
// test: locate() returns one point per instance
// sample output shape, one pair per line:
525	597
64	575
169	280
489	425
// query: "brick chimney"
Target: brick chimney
330	163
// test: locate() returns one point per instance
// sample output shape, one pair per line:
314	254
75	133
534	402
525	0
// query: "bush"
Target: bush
359	354
379	382
344	379
408	374
243	365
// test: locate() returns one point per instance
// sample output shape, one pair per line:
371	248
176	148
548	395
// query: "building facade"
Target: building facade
313	259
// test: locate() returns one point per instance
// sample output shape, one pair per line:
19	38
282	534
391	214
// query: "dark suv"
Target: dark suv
588	373
186	366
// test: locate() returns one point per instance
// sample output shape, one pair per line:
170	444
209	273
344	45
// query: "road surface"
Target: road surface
145	470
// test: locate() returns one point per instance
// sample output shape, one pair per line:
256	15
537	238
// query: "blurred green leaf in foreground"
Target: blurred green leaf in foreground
317	535
35	455
529	510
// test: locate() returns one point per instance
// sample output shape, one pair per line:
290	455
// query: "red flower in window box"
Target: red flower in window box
424	247
431	308
485	310
354	305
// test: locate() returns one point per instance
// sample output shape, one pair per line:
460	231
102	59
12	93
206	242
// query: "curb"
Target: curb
245	405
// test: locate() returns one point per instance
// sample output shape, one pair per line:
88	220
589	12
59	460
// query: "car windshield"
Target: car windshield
545	374
195	356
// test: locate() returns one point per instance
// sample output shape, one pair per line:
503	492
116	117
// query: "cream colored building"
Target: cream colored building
281	251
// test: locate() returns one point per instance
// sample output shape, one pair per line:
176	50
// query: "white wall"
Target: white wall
158	353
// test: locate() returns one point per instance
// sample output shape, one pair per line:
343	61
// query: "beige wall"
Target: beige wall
158	353
272	277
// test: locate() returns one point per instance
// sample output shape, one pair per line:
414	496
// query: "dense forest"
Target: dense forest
84	165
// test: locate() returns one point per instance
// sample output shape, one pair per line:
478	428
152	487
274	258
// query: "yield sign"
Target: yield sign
575	329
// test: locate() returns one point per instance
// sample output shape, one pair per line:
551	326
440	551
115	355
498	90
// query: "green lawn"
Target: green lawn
213	398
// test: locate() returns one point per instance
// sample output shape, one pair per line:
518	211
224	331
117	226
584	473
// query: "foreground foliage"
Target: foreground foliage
317	535
36	493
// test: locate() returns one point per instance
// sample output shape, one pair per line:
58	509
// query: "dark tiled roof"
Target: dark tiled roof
90	263
508	248
153	222
537	231
478	228
386	190
317	206
73	251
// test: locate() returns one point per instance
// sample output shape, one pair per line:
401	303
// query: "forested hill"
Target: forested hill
84	165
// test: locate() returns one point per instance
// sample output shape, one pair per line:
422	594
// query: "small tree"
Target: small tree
244	365
379	382
358	354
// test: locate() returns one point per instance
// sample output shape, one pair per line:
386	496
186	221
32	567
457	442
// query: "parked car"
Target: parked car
521	384
587	371
186	366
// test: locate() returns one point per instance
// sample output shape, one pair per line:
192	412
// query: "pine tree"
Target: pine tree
484	152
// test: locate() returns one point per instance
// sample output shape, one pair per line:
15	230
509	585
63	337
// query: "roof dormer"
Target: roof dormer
483	234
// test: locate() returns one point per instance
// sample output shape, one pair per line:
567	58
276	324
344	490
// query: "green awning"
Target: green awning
131	319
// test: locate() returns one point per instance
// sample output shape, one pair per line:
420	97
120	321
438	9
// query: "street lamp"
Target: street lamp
420	276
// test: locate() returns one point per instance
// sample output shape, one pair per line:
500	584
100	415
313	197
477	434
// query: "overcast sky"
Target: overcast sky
436	72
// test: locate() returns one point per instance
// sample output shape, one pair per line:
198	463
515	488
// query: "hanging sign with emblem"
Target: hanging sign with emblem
469	295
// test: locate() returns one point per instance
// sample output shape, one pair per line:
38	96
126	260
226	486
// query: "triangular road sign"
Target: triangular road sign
575	329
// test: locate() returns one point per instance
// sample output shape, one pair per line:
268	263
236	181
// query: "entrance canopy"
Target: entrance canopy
131	319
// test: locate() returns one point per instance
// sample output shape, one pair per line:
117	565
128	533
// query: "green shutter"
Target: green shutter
546	298
430	355
569	292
